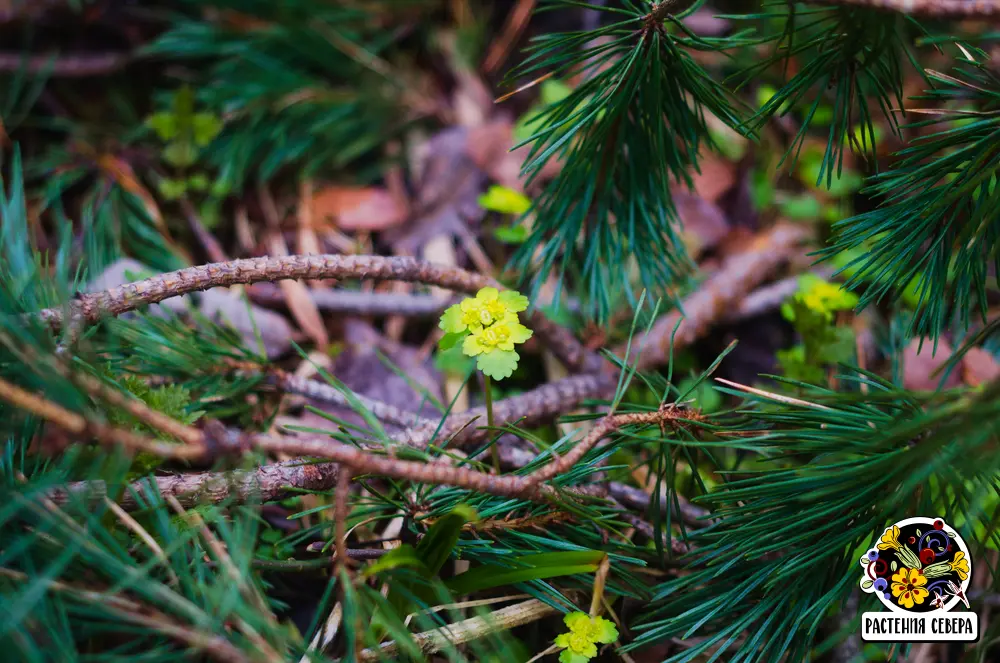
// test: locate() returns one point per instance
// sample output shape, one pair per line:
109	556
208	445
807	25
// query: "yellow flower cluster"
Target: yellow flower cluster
585	632
488	326
823	298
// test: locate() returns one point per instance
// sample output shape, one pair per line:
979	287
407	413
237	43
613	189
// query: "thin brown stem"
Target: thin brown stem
341	511
65	66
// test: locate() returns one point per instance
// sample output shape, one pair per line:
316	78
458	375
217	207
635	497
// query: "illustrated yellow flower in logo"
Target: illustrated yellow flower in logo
889	540
585	632
960	565
908	587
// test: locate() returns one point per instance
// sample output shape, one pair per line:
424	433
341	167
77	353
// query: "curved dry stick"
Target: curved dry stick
736	277
89	308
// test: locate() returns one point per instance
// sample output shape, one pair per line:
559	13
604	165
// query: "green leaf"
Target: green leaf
533	567
405	556
566	656
437	545
198	182
804	207
454	362
451	320
171	189
210	213
205	127
867	584
504	200
180	154
451	339
498	364
516	234
164	124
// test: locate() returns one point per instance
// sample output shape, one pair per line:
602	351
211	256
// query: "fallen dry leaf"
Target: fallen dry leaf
357	208
704	224
919	367
489	148
716	177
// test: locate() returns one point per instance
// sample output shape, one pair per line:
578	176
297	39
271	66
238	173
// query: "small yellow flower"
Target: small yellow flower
960	565
890	539
585	632
908	587
488	328
502	335
488	306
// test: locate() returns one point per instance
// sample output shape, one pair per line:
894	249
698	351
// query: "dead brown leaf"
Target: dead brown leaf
704	224
979	366
919	366
357	208
716	177
489	148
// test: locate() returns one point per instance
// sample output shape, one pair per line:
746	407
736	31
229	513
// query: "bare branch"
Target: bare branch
219	648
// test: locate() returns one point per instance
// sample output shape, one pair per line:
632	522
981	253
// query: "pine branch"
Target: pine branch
935	231
642	95
719	294
217	647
